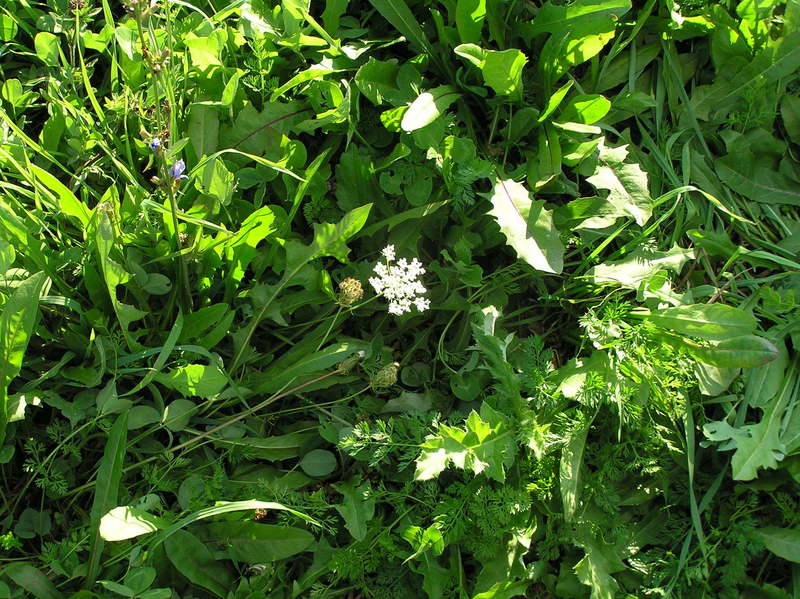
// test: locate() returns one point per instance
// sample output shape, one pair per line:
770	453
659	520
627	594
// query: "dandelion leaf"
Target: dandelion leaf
626	184
528	227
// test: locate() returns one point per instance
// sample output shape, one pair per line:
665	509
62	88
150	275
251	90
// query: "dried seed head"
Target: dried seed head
350	292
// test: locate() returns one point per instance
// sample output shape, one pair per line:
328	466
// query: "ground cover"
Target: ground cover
395	298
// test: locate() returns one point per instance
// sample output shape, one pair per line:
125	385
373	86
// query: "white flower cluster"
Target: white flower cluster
400	283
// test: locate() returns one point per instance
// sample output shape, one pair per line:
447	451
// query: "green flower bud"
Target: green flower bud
386	376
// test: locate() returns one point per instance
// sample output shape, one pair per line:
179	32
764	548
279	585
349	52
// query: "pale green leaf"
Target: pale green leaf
626	183
195	380
528	227
127	522
714	322
428	106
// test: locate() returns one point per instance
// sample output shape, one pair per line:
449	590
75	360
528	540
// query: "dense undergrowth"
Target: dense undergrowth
397	299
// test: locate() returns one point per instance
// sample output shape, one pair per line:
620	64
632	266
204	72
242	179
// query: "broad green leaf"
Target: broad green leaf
205	51
428	107
470	15
572	47
331	239
555	99
141	416
762	384
376	79
318	463
16	326
790	113
291	368
756	182
109	477
216	181
194	380
783	542
203	128
47	48
178	414
315	72
586	109
256	543
714	322
357	508
504	590
277	447
127	522
745	351
32	580
555	17
8	28
240	249
501	70
194	561
626	183
528	227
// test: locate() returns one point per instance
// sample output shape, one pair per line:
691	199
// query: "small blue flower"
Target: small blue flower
155	144
176	170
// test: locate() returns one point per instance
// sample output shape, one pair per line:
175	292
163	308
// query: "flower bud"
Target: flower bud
386	376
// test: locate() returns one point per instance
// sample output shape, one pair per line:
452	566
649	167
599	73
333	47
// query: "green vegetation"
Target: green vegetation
387	299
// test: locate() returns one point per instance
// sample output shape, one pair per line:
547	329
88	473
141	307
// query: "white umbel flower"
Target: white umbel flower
400	283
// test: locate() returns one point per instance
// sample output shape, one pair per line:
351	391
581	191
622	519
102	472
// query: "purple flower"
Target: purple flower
155	144
176	170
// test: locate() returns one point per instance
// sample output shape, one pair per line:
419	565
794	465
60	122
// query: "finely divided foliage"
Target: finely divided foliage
444	299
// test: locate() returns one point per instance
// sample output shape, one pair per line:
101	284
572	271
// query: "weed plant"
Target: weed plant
387	299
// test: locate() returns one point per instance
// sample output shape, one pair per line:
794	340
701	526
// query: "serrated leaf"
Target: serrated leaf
641	266
570	479
597	566
757	445
626	183
528	227
357	509
482	446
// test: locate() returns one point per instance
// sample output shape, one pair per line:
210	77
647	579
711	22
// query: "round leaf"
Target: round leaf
318	463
